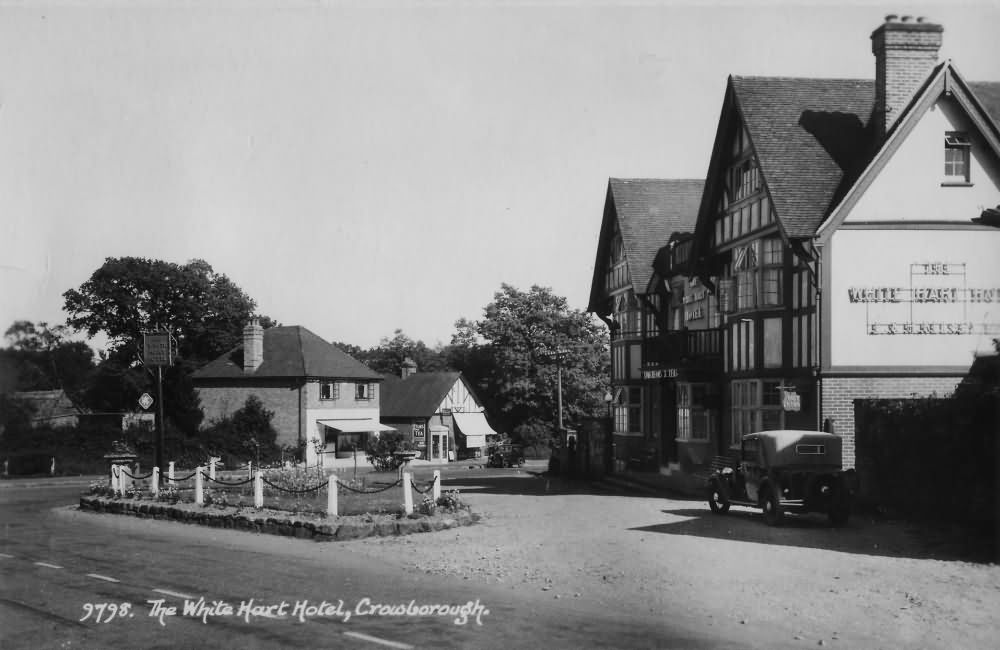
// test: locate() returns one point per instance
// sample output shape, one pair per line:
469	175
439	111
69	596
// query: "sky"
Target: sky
362	167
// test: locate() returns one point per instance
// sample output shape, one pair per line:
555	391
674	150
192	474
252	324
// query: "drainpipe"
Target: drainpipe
819	332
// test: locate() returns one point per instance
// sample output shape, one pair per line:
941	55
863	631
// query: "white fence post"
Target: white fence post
249	469
114	482
154	487
170	473
331	496
407	495
52	470
211	468
199	494
258	490
437	485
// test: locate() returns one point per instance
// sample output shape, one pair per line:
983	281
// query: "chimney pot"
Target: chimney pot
891	18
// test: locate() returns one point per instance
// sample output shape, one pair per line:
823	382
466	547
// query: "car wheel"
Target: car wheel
718	501
773	514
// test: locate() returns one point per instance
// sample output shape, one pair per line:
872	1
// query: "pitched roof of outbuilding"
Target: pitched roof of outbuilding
48	404
647	211
418	396
291	351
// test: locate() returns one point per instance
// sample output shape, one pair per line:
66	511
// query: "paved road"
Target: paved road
58	564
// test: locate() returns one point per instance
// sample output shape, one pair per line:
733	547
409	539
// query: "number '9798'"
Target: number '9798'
106	612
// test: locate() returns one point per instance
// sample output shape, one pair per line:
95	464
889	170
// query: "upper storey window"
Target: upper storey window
956	157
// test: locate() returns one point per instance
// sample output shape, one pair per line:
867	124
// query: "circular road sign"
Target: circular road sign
145	401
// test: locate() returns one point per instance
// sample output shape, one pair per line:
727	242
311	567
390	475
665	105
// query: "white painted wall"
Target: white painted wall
884	259
909	187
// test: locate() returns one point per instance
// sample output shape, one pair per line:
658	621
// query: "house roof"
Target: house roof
48	404
291	351
418	396
647	211
813	138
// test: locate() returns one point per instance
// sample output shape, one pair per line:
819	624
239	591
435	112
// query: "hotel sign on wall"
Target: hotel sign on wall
936	309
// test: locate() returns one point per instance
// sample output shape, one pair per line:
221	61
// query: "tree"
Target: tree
40	358
126	296
387	358
204	310
532	338
247	433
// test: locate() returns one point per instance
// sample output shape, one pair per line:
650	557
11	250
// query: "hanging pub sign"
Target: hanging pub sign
156	349
790	400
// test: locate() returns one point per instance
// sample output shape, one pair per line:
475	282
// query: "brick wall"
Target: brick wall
839	394
218	402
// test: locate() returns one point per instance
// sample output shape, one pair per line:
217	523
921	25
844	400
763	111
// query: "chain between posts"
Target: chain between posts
294	491
357	491
228	483
425	490
135	478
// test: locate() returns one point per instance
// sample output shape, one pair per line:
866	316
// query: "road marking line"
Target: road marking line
46	564
174	594
375	639
100	577
5	555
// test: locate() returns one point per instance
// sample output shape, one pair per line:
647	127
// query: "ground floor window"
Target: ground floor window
695	419
755	406
628	410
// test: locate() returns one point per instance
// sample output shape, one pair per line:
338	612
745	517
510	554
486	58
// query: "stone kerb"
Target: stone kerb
276	523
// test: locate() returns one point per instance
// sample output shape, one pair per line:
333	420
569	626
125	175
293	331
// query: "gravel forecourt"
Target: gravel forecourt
883	584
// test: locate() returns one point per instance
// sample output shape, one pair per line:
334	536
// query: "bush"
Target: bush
380	450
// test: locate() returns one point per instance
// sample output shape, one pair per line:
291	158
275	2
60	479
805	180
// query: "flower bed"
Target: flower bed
447	512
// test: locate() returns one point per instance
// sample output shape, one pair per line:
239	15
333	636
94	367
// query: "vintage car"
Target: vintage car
505	456
785	471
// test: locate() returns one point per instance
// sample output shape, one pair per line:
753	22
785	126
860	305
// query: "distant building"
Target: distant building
437	412
317	392
50	408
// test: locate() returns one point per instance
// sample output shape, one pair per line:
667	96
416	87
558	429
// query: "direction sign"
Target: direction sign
145	401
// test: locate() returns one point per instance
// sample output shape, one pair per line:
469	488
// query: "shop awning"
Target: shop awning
474	427
357	425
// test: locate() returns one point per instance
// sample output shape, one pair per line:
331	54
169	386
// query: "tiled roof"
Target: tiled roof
988	94
417	396
647	210
291	351
48	404
813	139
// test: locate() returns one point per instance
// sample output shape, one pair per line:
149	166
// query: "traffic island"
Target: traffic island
279	522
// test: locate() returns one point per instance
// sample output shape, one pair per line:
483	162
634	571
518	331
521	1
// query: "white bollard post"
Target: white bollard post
331	496
170	473
249	469
258	490
113	482
52	470
437	485
5	467
199	494
154	487
407	495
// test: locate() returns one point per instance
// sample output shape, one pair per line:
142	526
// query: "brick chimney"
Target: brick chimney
408	369
905	49
253	346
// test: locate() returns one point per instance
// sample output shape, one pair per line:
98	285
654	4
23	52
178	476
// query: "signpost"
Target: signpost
157	351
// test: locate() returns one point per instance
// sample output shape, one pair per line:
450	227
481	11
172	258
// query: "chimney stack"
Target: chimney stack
253	346
906	50
408	369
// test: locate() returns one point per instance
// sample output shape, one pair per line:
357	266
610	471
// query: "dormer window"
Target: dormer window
956	157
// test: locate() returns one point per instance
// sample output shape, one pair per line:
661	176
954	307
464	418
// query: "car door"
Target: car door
752	467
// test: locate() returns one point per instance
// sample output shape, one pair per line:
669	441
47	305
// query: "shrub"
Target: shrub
380	450
451	501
